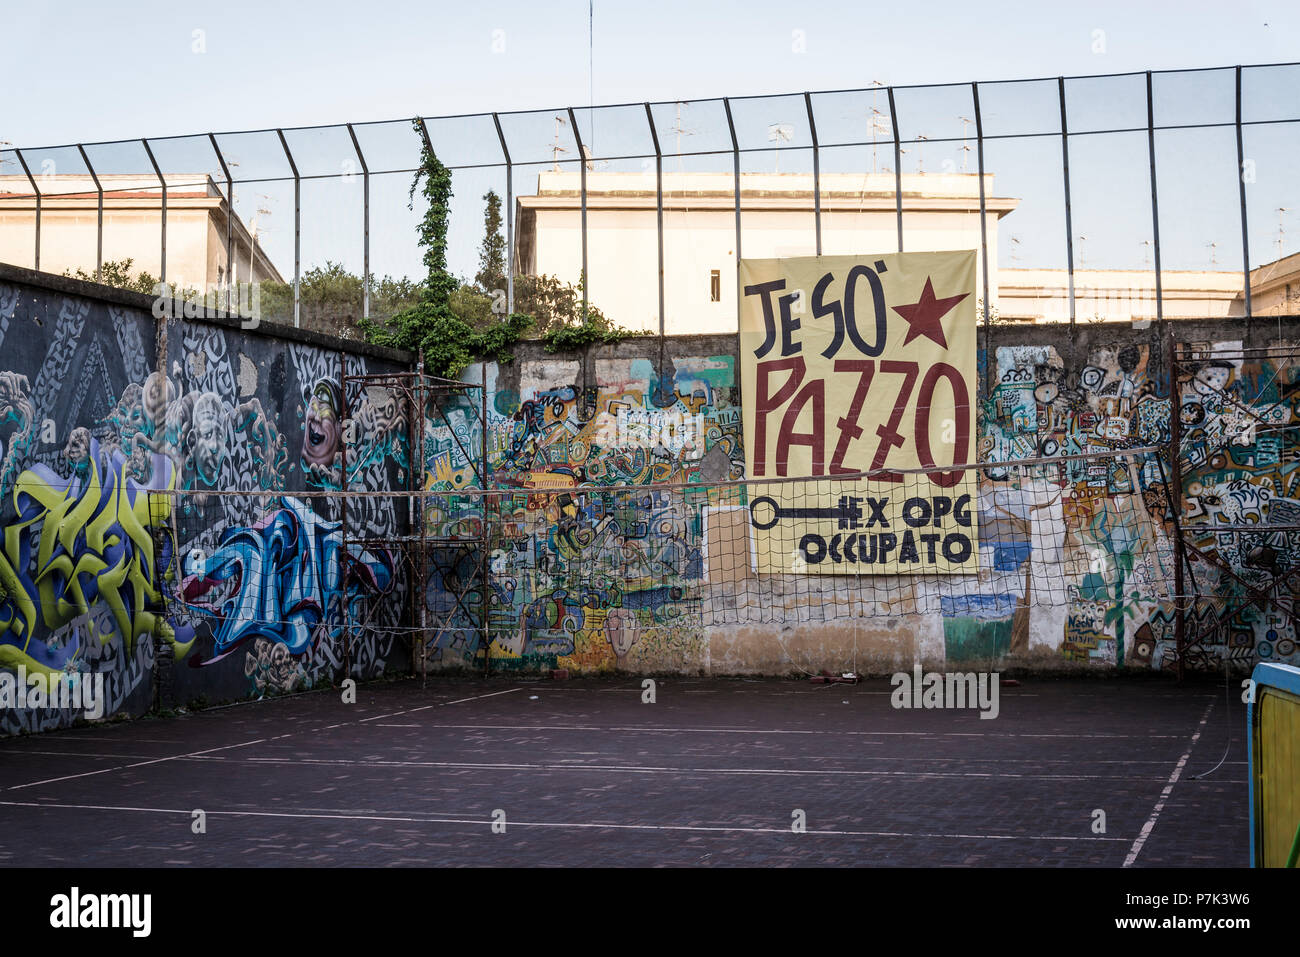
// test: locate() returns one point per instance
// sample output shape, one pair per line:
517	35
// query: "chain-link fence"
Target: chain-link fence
1137	195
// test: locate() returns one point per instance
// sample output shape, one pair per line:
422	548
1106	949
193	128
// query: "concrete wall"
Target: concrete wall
229	585
1077	561
195	594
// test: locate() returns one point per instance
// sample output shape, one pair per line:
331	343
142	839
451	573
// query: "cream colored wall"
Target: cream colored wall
1118	295
622	256
196	237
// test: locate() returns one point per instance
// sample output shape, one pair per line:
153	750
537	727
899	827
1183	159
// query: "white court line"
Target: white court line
138	764
1126	762
867	757
189	812
923	734
1136	849
194	754
440	704
651	769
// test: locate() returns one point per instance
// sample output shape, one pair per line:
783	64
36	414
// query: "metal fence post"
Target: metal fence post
898	166
230	215
1069	222
659	217
735	159
984	242
582	174
162	183
817	173
36	259
1155	202
297	231
1241	190
365	212
510	218
99	222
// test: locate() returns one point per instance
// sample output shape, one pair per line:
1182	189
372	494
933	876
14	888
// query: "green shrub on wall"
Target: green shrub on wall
455	324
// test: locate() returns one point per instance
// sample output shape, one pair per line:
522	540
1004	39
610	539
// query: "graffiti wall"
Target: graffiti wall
593	565
157	526
175	525
584	570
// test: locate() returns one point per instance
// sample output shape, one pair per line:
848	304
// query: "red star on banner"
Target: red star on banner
923	317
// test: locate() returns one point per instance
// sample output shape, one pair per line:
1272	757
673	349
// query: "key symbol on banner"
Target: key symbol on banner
848	512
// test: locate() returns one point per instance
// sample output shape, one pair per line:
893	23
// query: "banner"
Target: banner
855	364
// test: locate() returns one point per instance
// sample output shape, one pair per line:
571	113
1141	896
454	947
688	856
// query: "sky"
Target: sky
93	71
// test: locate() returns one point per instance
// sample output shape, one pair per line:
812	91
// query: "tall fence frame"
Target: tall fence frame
503	143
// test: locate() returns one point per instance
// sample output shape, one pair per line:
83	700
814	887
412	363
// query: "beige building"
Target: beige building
1275	287
197	214
940	211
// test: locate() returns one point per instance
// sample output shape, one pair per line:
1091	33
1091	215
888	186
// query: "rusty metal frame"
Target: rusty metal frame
1185	551
415	391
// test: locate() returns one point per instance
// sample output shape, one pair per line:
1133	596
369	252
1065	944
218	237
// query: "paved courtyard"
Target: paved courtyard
582	772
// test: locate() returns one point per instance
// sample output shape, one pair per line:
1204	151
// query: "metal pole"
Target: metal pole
1241	189
36	260
420	567
1069	221
1176	477
345	564
297	231
735	160
1155	202
230	215
817	173
898	167
99	224
659	220
163	184
365	201
510	218
984	236
484	562
582	173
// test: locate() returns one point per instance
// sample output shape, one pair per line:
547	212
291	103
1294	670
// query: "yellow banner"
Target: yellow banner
856	364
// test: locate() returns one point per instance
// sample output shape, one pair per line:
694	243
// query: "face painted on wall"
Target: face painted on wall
157	393
209	437
320	438
77	449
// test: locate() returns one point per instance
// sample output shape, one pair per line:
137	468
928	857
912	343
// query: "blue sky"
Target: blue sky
87	70
84	71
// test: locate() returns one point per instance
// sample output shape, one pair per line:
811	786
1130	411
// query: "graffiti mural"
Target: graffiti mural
1117	517
122	526
580	575
282	581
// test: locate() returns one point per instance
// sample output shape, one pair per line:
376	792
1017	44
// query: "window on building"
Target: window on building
715	286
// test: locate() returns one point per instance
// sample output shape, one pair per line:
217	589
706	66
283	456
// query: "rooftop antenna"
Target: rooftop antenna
779	133
920	152
252	245
1213	247
1281	230
878	125
556	148
1082	245
965	147
679	131
877	119
1146	258
1015	249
